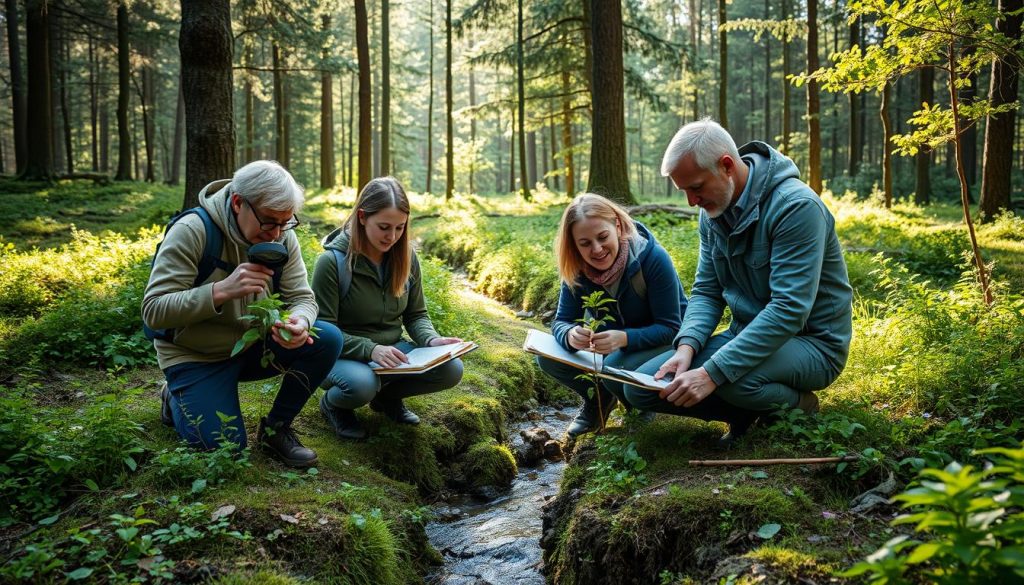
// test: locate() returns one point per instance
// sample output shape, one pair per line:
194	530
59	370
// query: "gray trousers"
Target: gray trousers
798	366
617	359
352	384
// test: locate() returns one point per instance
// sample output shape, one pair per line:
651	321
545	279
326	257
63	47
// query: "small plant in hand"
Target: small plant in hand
263	315
595	315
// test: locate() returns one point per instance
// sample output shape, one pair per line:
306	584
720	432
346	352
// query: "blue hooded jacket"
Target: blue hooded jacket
780	271
649	321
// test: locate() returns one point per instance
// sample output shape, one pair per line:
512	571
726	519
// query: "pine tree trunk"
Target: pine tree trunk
608	174
854	154
524	177
430	106
923	160
104	106
344	135
886	146
179	135
18	90
813	100
365	130
570	175
449	187
385	88
723	68
149	111
767	40
124	149
554	146
94	108
588	49
205	44
997	163
326	118
472	121
352	146
57	130
531	158
280	149
65	106
787	104
39	163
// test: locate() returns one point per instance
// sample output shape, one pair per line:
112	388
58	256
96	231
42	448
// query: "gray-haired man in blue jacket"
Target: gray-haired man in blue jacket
769	252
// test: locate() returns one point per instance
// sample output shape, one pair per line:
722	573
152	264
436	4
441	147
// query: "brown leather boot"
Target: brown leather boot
808	403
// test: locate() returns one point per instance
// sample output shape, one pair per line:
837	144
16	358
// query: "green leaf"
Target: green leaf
128	461
923	552
79	573
284	333
91	485
198	485
768	530
759	475
239	346
49	520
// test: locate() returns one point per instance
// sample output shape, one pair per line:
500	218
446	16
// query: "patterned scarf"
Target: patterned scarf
612	274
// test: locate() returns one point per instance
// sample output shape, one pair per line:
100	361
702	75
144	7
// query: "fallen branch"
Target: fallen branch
755	462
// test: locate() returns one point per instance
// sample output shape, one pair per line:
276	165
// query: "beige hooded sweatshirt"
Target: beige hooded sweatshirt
203	333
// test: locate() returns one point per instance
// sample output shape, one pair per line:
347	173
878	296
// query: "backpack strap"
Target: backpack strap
344	273
211	259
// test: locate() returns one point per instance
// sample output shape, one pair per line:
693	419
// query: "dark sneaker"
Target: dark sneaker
586	421
166	417
395	410
738	428
280	442
342	420
808	403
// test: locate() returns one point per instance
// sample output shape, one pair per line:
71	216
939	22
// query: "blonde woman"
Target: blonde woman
599	247
384	295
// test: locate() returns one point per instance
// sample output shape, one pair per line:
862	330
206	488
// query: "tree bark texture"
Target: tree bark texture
608	175
174	177
326	119
39	163
430	105
813	100
524	177
124	137
385	87
997	162
449	187
205	44
567	159
19	94
923	159
723	68
854	150
886	146
363	56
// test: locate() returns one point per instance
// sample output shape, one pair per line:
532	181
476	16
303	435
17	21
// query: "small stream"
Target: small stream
497	541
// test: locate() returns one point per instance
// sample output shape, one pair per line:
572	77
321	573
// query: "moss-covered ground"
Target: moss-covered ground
95	489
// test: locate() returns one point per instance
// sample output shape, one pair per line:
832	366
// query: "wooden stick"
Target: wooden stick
755	462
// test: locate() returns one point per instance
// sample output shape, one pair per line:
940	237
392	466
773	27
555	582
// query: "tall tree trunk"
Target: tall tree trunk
65	106
341	108
787	102
608	174
512	150
281	148
57	130
449	188
18	90
723	68
148	110
39	163
249	153
365	130
886	146
124	149
352	146
94	109
767	78
499	168
813	100
531	158
695	64
472	121
554	145
588	48
385	87
925	95
326	118
174	177
969	139
567	158
524	177
430	105
837	18
205	44
104	124
854	154
999	129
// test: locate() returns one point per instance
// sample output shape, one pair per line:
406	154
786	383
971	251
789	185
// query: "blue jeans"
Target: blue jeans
566	375
351	383
798	366
201	391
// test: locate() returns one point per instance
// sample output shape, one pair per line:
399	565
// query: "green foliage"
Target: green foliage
969	522
442	300
44	459
827	433
185	466
126	548
618	468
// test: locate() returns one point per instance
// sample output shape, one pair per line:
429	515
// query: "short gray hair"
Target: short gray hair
706	140
268	185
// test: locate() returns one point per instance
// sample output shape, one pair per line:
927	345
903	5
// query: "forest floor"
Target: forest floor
111	496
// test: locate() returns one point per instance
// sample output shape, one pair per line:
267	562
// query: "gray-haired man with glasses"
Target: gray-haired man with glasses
199	323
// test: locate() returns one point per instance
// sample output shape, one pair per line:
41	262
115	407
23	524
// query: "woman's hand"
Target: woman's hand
579	337
388	356
443	341
606	342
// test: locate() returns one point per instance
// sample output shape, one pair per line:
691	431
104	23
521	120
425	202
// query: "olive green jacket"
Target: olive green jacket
369	315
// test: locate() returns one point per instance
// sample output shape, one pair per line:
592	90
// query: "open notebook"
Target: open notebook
540	343
423	359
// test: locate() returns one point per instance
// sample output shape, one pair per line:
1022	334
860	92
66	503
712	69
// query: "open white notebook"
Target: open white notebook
423	359
541	343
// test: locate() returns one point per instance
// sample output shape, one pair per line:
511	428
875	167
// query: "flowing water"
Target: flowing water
497	541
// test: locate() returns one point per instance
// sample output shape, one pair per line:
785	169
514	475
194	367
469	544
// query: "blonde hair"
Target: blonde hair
377	195
586	206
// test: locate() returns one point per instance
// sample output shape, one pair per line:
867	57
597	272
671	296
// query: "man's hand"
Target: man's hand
579	337
388	356
247	279
298	332
606	342
689	388
443	341
677	364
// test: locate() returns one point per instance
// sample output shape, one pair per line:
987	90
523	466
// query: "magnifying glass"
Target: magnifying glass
273	255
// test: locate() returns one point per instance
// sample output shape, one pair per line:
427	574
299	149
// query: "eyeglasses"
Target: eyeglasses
268	226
